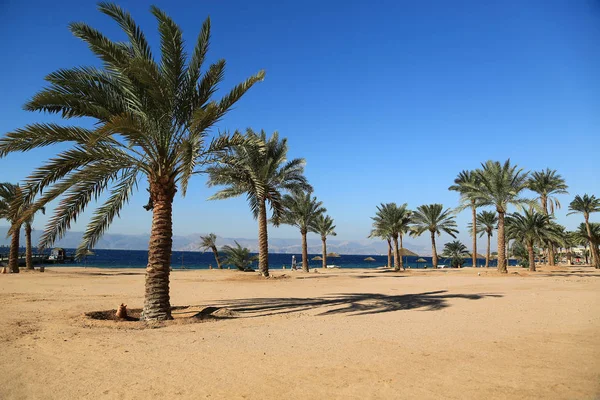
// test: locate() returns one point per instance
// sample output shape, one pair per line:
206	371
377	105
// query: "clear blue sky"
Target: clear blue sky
386	100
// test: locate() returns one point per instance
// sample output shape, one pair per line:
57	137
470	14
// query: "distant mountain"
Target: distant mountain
117	241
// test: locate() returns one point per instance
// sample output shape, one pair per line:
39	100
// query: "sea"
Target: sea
196	260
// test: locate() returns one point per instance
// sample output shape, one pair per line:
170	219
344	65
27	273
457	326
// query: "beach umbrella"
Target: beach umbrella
369	259
317	258
421	260
406	252
333	255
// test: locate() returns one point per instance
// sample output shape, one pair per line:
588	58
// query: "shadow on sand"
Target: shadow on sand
344	303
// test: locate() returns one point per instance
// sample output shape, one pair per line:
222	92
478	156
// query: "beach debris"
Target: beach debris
122	311
42	268
315	271
4	271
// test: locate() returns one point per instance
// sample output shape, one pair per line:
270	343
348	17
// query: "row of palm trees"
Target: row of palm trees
497	185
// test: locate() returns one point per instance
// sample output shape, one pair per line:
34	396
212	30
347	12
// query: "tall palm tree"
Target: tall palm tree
152	121
433	218
209	242
457	252
531	228
395	221
259	168
467	184
501	185
586	205
301	210
487	221
323	226
379	231
547	184
10	209
239	257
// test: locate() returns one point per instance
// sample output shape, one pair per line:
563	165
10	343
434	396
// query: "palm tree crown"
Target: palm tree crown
152	121
547	183
531	228
456	251
301	210
585	205
487	221
239	257
323	226
433	218
393	220
259	168
207	242
501	184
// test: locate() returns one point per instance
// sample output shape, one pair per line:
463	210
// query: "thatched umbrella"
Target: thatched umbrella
406	252
333	255
317	258
369	259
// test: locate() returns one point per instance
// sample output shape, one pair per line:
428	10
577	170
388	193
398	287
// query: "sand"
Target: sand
343	334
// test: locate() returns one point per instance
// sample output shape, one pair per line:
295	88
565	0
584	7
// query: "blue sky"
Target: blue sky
386	100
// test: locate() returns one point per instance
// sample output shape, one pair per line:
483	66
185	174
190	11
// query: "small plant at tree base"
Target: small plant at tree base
239	257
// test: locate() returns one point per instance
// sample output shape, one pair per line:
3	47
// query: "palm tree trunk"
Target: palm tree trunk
13	256
501	244
157	304
474	216
263	240
389	265
217	259
396	254
487	254
324	249
531	257
28	252
434	257
593	248
304	252
401	247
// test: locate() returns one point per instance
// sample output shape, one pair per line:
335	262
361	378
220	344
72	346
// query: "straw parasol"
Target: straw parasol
369	259
479	255
406	252
317	258
333	255
421	260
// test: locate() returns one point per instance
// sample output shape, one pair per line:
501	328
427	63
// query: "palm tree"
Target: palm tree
239	257
379	231
500	186
323	226
259	168
486	223
10	209
152	121
457	252
394	221
209	242
433	218
467	184
587	205
301	210
531	228
547	184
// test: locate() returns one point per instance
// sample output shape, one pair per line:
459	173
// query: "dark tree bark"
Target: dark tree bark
389	241
263	240
157	304
28	251
487	254
434	257
396	254
13	256
304	252
501	244
217	259
401	247
324	250
593	247
474	211
531	257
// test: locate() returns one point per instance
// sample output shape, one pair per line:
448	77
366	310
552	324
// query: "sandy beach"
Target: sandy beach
347	334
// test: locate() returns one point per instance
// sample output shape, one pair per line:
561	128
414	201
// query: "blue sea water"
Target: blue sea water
196	260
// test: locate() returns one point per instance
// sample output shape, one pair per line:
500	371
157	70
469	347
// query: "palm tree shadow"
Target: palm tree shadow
347	303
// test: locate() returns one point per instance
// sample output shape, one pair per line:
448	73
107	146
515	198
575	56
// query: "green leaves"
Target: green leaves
433	218
301	210
152	119
391	220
